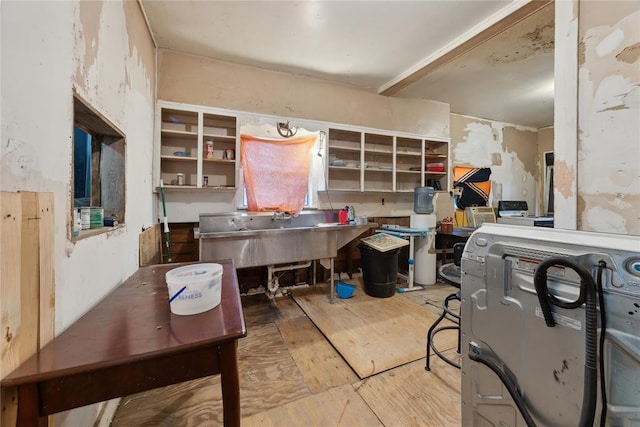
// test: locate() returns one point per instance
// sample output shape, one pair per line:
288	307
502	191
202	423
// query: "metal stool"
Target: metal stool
451	274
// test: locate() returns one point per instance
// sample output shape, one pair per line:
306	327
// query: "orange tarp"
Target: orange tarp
276	172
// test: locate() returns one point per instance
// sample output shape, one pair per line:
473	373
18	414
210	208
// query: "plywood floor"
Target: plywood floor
291	375
372	334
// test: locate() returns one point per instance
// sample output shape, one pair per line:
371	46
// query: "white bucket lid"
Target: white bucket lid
189	272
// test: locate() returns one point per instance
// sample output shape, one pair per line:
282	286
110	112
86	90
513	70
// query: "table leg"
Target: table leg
332	284
28	404
411	261
230	384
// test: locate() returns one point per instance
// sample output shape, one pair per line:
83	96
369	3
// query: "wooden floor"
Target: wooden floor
290	375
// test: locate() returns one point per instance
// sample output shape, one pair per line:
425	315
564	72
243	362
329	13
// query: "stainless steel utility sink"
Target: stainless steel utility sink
256	239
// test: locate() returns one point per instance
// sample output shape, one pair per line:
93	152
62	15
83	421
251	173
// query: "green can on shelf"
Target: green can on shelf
96	216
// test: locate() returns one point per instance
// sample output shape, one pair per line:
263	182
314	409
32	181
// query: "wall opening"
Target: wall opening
98	185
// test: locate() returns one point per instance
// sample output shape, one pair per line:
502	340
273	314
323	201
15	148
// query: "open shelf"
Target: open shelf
386	161
190	130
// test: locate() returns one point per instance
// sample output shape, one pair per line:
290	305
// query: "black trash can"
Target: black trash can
379	271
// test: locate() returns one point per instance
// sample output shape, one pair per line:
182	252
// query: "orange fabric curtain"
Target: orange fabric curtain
276	172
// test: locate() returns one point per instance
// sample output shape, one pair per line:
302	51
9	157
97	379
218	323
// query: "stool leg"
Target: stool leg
459	329
433	330
430	338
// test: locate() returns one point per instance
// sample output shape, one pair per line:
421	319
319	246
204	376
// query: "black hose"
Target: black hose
540	282
477	354
588	297
603	327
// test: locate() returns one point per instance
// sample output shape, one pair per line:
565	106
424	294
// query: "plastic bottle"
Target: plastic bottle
423	200
209	152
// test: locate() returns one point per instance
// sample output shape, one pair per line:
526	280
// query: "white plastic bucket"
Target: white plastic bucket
202	285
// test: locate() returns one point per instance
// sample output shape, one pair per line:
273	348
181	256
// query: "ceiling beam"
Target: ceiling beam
485	30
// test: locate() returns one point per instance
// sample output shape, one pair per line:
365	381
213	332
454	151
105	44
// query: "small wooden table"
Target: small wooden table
131	342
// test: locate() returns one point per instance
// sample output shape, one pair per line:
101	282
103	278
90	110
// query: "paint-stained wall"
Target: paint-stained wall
114	71
196	80
608	172
510	151
103	50
545	140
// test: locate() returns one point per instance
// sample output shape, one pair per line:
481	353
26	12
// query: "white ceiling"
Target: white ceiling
376	44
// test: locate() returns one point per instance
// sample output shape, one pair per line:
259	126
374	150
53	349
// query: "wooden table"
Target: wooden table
131	342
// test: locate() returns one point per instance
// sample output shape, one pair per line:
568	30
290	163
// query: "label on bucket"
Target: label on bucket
192	273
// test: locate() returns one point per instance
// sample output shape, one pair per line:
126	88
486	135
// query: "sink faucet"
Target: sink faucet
278	215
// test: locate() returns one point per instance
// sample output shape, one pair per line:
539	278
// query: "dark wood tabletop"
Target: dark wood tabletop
129	342
460	232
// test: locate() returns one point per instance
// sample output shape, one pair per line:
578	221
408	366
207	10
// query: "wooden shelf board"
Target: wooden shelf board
435	173
344	168
407	171
343	148
342	190
177	133
408	153
378	170
179	158
229	162
377	190
194	188
95	231
378	151
219	138
217	188
369	191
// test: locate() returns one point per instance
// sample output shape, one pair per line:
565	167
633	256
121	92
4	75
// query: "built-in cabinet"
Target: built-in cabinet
197	148
345	155
372	161
436	154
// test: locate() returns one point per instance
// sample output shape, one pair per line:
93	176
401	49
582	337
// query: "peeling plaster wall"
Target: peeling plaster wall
201	81
114	70
608	171
104	51
510	151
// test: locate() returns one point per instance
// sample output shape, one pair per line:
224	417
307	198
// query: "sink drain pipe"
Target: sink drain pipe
272	282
